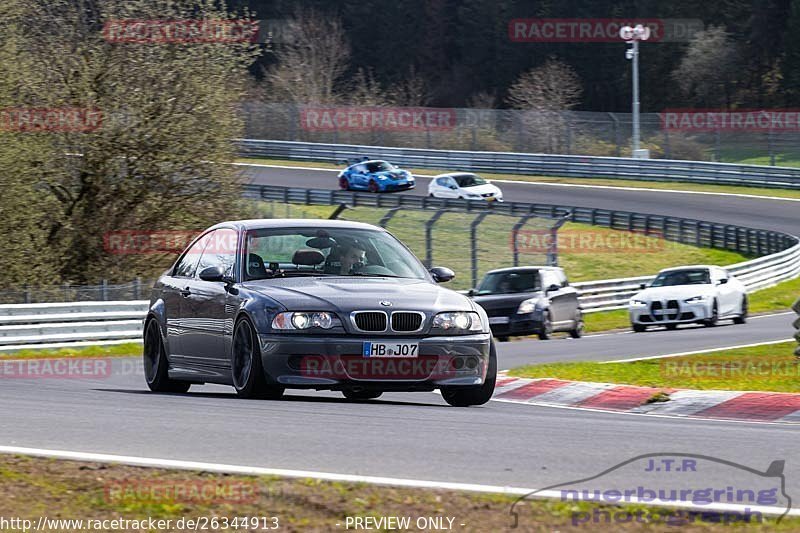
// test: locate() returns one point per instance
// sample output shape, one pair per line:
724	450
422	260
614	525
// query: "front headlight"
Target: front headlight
462	321
530	305
637	302
293	320
701	298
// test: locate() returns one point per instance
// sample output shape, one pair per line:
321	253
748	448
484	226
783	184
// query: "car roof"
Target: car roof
265	223
688	267
522	269
454	174
370	161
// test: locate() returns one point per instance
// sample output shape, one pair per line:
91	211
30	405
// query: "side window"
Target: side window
220	251
442	182
188	263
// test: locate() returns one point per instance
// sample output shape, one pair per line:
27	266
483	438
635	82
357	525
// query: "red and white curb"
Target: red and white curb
708	404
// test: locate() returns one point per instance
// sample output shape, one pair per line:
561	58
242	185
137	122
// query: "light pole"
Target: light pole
632	36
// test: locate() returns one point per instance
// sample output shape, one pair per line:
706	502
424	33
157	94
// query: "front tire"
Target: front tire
639	328
672	326
373	186
156	365
247	372
742	318
476	395
344	184
547	327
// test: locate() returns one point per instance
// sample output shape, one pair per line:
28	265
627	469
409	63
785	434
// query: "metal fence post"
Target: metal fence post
388	216
770	148
137	288
429	237
514	231
473	246
27	293
617	140
104	290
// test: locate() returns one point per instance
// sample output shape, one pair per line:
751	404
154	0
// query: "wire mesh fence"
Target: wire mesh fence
471	243
503	130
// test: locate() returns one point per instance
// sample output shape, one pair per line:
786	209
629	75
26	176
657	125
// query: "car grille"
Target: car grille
501	311
406	321
371	320
671	311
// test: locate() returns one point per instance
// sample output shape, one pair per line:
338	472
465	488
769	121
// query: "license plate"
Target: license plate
498	320
490	199
390	349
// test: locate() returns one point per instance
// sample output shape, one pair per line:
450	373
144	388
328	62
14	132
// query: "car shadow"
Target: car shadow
296	398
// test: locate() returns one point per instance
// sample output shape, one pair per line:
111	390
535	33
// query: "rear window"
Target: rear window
510	282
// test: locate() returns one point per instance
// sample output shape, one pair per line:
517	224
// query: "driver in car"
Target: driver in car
351	255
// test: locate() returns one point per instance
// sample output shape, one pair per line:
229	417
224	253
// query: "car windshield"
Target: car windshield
379	166
331	251
469	180
510	282
698	276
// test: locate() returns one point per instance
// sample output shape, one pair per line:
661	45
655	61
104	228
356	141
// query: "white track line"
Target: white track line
708	350
551	184
328	476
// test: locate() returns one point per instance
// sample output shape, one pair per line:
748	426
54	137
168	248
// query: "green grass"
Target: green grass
113	350
601	258
609	182
764	368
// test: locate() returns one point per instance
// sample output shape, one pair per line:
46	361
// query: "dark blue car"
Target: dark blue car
375	176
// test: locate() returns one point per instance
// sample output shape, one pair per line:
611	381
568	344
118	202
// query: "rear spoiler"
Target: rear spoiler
353	160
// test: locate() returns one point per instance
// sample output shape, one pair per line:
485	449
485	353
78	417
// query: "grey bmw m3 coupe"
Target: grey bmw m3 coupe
266	305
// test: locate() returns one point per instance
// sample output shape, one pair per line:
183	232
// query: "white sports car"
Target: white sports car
465	186
691	294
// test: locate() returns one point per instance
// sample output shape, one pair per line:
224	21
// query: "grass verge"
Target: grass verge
771	368
605	182
111	350
32	488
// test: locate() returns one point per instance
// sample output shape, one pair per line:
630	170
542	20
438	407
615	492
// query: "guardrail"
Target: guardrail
535	164
796	325
53	324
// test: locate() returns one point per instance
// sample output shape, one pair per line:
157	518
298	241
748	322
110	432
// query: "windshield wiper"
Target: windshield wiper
369	275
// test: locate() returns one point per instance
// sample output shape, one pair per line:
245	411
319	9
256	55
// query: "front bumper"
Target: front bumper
669	312
335	362
398	185
517	324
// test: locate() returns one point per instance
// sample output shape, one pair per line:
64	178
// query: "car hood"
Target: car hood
675	292
395	174
482	189
346	294
491	302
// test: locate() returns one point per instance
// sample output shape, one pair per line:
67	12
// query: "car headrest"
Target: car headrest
308	257
255	267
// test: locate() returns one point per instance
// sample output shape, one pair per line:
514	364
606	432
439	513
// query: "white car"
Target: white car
691	294
465	186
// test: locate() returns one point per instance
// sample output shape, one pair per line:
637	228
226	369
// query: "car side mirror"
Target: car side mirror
471	292
442	274
215	273
723	281
454	187
553	288
643	285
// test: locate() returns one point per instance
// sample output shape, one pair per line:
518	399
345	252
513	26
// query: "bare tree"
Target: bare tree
411	91
311	62
545	93
365	90
708	69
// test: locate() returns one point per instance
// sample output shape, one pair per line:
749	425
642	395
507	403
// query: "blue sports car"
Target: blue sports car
375	176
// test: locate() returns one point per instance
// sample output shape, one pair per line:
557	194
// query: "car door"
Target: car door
205	308
728	295
361	176
450	188
568	295
556	297
176	286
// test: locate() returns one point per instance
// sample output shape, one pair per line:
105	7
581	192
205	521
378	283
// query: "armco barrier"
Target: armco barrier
63	323
534	164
